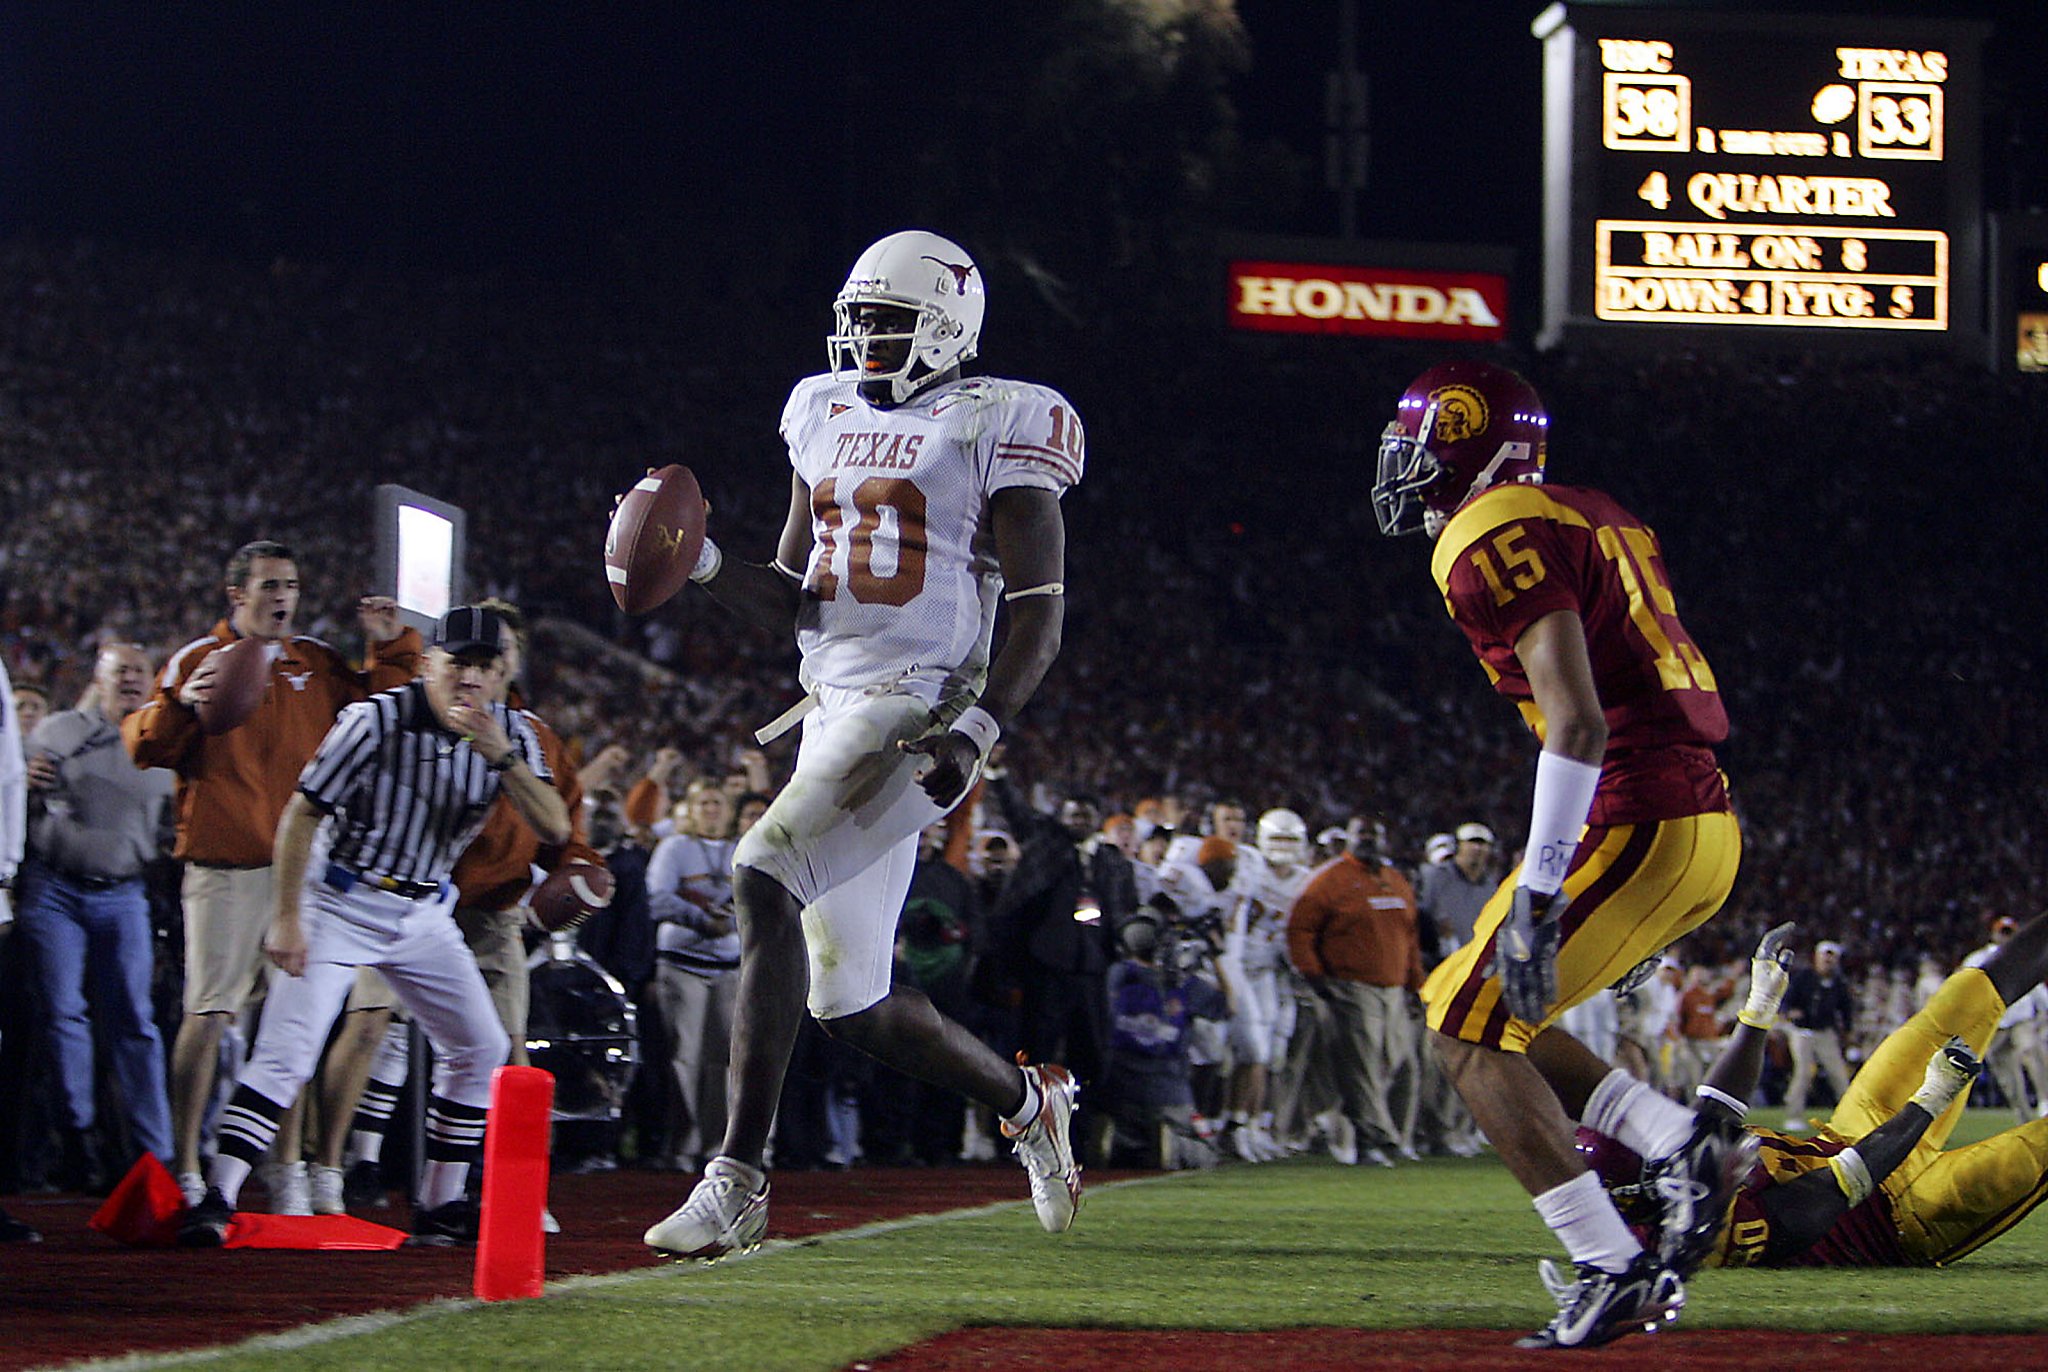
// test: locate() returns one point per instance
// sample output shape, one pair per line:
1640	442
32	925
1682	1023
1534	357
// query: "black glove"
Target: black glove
1525	952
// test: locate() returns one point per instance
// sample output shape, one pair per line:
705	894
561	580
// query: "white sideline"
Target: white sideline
349	1326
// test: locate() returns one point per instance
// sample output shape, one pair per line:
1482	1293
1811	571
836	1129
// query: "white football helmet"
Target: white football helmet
1283	838
917	271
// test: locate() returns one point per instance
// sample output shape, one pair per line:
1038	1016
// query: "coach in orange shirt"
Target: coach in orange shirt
1352	934
233	786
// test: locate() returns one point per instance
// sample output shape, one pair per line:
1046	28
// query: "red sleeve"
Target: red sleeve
570	787
1305	929
645	803
164	730
396	662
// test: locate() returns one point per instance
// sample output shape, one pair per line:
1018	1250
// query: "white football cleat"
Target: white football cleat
291	1192
327	1190
1046	1149
727	1212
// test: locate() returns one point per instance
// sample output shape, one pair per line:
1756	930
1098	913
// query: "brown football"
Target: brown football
655	536
241	676
571	894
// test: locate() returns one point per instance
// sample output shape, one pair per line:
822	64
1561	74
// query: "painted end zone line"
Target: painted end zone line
349	1326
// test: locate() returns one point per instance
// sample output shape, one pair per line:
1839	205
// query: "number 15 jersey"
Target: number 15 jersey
1516	553
902	578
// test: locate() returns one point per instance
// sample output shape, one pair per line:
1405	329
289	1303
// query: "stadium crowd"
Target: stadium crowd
1237	629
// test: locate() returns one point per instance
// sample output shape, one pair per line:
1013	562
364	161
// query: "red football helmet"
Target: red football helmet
1459	428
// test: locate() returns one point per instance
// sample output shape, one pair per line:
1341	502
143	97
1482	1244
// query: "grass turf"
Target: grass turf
1444	1244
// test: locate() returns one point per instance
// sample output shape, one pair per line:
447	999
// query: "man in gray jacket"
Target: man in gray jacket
83	910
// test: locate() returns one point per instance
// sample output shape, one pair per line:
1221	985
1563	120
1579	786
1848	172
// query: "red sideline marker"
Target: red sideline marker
509	1245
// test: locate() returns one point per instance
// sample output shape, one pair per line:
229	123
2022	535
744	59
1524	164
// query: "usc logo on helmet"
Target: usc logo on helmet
1461	413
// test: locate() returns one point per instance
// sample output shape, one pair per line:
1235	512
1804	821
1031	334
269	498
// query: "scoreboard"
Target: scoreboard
1711	173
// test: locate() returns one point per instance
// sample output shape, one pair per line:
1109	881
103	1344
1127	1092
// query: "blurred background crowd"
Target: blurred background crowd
1840	530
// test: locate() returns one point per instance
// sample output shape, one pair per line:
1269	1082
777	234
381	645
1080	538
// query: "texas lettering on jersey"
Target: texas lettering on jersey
902	572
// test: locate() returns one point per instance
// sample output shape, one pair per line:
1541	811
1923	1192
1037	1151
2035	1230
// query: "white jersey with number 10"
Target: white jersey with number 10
902	579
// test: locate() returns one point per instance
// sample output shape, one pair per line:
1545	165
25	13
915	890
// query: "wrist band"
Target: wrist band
1852	1174
1764	1020
1557	816
980	727
709	560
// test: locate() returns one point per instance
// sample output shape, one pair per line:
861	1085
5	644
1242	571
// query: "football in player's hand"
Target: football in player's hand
241	675
572	893
655	536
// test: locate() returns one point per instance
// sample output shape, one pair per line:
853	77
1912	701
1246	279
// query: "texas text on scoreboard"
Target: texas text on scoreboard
1715	172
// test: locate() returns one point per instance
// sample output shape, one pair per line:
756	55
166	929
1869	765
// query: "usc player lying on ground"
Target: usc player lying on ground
1876	1186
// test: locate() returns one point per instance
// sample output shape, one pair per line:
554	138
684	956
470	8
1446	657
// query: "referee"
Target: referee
398	788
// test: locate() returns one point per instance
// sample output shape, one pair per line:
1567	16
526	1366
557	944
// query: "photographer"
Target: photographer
1156	993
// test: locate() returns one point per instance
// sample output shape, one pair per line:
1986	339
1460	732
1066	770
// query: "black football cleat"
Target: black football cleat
445	1226
1694	1186
1595	1306
206	1224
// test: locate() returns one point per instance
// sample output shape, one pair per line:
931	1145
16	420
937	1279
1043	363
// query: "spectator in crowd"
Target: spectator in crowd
2018	1053
1058	914
621	938
696	978
85	915
1817	1014
232	787
1450	895
31	705
1697	1031
13	836
1352	935
904	1119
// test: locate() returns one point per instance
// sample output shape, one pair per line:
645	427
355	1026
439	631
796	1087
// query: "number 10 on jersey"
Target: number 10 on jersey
884	528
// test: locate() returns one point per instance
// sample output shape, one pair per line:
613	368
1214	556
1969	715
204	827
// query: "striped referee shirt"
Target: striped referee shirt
404	794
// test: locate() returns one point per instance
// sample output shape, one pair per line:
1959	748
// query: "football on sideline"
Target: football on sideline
571	894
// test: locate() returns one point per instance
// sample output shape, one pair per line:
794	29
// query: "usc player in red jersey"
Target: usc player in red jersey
1564	597
1877	1186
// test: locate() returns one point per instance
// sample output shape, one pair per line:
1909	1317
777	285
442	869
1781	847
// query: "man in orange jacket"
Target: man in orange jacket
1353	935
232	788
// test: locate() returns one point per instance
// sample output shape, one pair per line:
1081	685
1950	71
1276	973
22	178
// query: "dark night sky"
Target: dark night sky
505	134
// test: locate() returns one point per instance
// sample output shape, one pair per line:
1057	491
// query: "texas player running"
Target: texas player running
1876	1186
1564	598
918	496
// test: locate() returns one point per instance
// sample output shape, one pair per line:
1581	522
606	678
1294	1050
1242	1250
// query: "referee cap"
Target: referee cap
469	626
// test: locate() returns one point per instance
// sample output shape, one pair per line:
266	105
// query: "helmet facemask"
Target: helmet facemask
906	359
1407	468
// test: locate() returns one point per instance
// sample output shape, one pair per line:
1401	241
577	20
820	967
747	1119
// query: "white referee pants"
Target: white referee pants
417	947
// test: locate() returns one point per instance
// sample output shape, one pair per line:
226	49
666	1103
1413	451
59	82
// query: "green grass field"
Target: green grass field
1443	1244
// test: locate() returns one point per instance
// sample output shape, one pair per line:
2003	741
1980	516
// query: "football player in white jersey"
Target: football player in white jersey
920	500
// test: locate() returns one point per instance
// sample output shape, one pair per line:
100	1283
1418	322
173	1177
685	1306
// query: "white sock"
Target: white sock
441	1182
227	1175
1587	1224
1028	1111
754	1177
1636	1117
